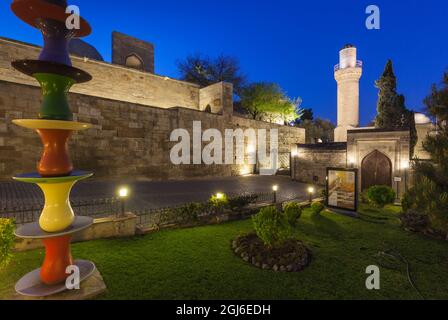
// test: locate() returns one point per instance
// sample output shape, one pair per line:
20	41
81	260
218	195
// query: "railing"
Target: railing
359	64
97	208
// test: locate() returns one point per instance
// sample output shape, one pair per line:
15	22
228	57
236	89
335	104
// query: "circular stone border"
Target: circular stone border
293	256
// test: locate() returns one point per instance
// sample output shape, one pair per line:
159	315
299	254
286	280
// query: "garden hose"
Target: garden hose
397	257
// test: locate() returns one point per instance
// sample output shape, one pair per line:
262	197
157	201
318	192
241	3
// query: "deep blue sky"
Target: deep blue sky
292	42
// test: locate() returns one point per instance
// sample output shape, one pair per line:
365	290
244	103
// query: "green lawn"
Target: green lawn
199	264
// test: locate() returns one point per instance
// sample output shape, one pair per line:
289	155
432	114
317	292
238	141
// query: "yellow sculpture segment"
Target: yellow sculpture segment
58	213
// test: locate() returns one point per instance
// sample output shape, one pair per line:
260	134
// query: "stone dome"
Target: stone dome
82	49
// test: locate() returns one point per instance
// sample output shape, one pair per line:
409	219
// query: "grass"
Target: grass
199	264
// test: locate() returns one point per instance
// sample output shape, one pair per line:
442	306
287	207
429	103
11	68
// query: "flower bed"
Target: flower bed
292	256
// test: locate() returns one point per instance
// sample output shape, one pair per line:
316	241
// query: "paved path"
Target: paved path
153	194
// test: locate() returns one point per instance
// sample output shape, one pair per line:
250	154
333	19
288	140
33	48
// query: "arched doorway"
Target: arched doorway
376	170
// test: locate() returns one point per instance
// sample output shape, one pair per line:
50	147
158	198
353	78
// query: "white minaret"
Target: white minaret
347	74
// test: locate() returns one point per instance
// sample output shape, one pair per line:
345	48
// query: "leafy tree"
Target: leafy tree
392	112
267	101
206	71
430	191
307	114
317	130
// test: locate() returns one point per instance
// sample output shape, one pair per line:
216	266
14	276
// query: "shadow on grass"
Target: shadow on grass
327	226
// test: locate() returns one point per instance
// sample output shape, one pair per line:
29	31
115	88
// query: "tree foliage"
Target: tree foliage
317	130
267	101
392	113
430	191
7	239
206	71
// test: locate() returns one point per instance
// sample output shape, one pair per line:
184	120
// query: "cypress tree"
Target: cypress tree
392	113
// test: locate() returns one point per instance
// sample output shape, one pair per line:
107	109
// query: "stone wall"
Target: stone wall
127	139
217	98
109	81
124	46
133	115
310	162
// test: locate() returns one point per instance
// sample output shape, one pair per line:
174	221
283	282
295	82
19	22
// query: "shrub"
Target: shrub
381	195
184	214
219	201
324	193
364	198
7	239
292	212
239	203
317	207
190	212
272	227
414	221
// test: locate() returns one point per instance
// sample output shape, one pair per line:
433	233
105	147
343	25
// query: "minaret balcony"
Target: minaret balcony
338	66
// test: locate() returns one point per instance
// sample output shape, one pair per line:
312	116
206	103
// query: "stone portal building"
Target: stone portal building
382	157
134	112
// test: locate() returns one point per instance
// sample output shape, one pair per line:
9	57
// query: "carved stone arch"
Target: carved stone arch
134	61
376	170
208	109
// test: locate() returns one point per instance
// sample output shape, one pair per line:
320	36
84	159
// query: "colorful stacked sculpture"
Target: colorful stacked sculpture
55	174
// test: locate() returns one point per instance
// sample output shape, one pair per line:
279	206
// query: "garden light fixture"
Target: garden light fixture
275	189
123	194
311	192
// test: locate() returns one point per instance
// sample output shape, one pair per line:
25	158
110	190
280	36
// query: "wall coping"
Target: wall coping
376	130
324	146
102	63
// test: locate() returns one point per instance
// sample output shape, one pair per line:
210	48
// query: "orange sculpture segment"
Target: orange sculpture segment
57	258
55	160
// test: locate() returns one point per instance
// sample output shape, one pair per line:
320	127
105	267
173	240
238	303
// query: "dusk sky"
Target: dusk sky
293	43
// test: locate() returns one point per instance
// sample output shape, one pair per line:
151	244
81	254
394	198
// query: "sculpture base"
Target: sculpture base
90	289
32	286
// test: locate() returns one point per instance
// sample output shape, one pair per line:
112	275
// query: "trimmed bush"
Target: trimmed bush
381	195
317	207
272	227
292	212
7	239
219	203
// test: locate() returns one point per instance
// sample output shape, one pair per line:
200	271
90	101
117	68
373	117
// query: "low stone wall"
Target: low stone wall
105	228
311	161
